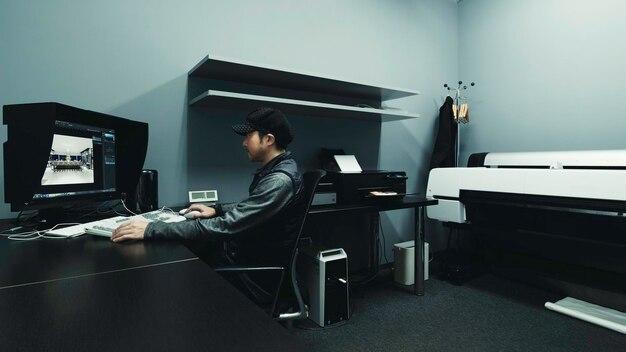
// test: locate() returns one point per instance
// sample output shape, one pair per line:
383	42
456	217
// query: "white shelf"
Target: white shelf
215	67
221	99
333	97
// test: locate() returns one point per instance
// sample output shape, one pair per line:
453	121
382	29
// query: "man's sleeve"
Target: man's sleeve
223	208
269	197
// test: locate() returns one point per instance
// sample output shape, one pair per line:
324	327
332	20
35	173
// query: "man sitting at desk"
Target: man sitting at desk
260	227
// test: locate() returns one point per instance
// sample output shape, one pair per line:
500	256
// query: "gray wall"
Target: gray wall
549	74
131	58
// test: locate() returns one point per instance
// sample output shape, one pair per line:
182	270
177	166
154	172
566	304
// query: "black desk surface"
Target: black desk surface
49	259
89	294
409	201
182	306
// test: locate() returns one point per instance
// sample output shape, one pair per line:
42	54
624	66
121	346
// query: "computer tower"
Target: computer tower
325	275
146	197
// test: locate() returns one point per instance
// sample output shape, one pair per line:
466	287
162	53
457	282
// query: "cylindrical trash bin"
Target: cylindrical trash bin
404	262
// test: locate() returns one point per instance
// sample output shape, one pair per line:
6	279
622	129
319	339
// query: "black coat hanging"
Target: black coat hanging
445	144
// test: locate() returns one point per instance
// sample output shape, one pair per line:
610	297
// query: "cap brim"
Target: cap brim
242	129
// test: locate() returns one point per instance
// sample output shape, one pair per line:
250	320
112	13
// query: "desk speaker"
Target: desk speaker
146	197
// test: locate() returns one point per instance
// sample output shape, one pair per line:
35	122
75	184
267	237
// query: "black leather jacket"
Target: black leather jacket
267	219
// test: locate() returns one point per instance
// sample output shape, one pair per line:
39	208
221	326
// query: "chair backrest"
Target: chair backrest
310	181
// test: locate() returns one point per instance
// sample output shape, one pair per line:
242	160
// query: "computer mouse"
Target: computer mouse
191	214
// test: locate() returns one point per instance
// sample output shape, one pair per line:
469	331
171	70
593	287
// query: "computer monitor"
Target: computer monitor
57	155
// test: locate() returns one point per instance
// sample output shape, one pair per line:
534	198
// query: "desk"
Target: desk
416	202
23	262
89	294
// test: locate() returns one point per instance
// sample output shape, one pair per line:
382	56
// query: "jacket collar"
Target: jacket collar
272	163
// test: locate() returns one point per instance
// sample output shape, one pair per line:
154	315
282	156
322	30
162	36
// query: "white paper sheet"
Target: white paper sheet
348	163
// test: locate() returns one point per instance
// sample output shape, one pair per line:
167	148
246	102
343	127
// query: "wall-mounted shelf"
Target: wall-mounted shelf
220	99
222	69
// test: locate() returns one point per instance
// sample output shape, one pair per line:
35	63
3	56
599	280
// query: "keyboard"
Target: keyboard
77	230
105	227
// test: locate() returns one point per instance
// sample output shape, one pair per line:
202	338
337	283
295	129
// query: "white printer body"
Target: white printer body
591	180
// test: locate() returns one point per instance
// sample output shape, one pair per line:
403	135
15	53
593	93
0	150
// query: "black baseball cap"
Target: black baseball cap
267	120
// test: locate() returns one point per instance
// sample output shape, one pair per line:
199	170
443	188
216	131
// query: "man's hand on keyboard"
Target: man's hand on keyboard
132	230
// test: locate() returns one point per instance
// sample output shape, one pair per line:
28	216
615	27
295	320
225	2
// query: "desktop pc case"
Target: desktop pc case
325	275
146	197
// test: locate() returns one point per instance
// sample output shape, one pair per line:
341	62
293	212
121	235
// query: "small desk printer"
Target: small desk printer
340	187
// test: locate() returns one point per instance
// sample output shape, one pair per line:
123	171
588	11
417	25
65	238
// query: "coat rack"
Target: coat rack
459	111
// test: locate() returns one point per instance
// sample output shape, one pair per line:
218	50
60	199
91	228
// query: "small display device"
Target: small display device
203	196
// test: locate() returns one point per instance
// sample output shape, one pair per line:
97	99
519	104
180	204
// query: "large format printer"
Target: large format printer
592	181
566	210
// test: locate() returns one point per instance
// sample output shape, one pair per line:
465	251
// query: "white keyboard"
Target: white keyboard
105	227
77	230
69	231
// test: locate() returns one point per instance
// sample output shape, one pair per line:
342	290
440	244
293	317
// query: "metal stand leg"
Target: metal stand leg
419	251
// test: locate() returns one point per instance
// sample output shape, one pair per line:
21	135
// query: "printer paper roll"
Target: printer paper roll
595	314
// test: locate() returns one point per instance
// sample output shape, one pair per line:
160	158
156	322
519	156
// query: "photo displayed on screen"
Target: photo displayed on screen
71	161
81	161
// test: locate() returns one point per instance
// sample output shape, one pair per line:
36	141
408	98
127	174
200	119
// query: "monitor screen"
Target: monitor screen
82	161
57	156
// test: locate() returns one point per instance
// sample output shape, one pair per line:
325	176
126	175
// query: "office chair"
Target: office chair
310	181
